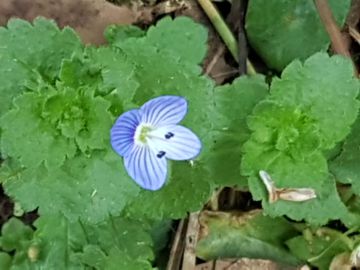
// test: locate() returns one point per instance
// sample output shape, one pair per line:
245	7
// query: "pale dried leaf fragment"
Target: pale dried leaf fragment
286	194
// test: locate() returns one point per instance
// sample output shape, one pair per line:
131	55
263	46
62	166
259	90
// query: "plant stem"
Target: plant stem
337	41
331	27
224	31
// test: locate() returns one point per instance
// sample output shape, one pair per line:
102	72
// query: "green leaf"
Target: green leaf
41	46
318	248
251	235
55	124
75	115
92	255
87	188
16	238
233	103
287	172
160	233
325	89
186	190
346	166
15	235
281	31
15	78
127	242
60	244
119	83
165	72
41	143
108	71
30	54
182	36
80	70
292	127
5	261
115	34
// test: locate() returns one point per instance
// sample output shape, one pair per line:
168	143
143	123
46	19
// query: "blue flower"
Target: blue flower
148	136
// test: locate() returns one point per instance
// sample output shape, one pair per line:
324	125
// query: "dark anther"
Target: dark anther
161	154
169	135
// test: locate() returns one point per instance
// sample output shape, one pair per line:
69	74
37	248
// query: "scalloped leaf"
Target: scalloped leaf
56	124
188	186
186	190
292	127
233	104
31	53
88	188
174	36
40	46
346	166
325	89
178	35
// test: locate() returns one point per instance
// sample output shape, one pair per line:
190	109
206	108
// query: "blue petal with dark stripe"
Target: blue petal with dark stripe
174	142
123	131
146	168
164	110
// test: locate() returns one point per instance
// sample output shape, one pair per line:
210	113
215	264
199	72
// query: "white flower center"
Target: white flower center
142	133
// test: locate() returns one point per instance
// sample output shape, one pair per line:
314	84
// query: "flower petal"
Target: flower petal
163	110
174	142
148	170
122	132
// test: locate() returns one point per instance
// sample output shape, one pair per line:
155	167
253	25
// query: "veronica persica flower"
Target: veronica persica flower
148	136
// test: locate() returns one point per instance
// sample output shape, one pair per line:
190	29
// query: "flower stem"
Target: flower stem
224	31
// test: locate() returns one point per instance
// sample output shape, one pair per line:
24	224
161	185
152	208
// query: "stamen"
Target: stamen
142	133
161	154
169	135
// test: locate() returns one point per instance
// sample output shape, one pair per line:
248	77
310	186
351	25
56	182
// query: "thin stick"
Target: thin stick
215	59
327	18
354	34
192	233
177	248
224	31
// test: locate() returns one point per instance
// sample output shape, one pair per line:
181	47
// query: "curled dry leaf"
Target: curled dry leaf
286	194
